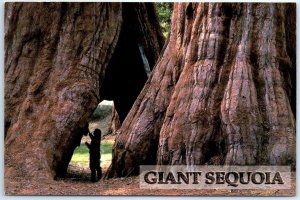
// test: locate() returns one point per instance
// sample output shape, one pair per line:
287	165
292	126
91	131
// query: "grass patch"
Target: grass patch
81	154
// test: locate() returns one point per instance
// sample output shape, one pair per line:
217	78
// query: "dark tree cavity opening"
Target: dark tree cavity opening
130	64
128	69
60	62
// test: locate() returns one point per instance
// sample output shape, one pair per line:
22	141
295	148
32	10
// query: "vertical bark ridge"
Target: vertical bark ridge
230	100
136	132
52	82
239	108
58	61
202	66
281	143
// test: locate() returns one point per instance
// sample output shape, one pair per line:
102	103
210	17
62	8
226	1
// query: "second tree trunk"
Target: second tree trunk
220	94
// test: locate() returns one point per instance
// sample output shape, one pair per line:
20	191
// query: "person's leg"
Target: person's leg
99	173
93	174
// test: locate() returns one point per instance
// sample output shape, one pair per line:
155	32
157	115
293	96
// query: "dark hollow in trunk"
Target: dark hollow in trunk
131	62
56	59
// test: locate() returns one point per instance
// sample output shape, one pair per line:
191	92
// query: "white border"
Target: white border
131	197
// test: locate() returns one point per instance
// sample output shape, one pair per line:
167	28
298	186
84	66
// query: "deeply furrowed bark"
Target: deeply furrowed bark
115	121
220	94
56	55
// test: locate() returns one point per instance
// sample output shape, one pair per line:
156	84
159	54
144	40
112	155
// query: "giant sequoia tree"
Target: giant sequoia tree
56	59
222	92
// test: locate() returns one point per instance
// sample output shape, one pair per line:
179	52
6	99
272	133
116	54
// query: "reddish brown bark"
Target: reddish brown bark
115	121
220	94
56	55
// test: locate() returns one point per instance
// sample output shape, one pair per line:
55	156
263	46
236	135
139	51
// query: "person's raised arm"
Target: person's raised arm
88	145
91	135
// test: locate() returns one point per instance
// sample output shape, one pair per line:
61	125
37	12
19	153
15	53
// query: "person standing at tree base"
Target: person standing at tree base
94	150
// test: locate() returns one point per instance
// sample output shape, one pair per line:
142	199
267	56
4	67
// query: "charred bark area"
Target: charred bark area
220	94
132	60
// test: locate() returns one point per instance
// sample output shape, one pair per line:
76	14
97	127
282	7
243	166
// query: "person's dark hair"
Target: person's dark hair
97	132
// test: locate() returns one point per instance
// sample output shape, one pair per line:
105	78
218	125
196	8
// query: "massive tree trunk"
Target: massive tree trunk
56	55
221	92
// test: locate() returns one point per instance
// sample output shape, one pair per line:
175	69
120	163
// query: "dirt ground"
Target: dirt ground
77	183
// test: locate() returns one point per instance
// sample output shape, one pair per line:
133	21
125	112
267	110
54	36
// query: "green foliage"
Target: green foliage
81	154
164	11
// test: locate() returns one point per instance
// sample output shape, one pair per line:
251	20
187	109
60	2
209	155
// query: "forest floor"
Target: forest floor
77	181
78	184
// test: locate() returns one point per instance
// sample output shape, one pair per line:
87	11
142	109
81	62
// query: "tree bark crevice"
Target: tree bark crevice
229	85
56	59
